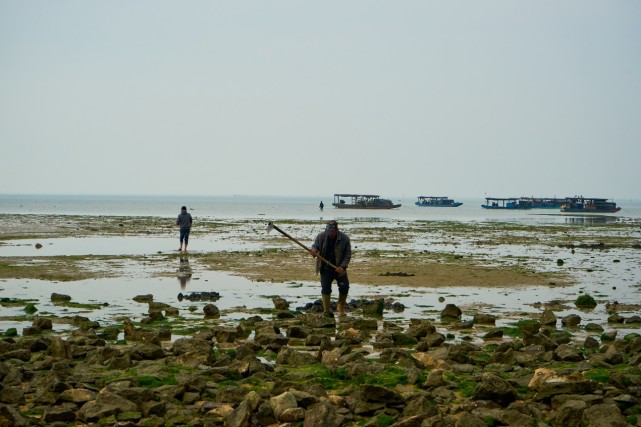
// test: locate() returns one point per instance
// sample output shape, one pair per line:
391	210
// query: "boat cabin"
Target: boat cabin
436	201
507	203
362	201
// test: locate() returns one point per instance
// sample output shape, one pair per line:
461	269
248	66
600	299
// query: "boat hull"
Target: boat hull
348	206
513	208
590	211
427	205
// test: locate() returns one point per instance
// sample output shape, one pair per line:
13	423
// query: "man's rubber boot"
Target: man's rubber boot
342	299
327	307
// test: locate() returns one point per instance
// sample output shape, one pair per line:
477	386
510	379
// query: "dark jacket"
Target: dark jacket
184	220
342	250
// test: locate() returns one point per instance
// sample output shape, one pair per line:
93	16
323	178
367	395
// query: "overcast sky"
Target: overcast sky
460	98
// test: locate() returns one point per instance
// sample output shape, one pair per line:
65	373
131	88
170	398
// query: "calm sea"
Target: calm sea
247	207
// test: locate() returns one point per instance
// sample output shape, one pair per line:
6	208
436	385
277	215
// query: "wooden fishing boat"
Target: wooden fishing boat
507	203
436	202
362	201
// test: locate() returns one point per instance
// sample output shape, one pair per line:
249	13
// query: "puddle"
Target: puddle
242	298
125	245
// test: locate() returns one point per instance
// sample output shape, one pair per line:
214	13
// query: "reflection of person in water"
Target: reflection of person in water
184	272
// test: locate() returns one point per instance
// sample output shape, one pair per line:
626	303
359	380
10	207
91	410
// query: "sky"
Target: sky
468	98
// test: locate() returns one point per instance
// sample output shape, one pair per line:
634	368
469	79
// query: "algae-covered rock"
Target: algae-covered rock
60	297
585	301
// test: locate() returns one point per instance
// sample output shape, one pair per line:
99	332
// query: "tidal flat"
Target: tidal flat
449	323
511	269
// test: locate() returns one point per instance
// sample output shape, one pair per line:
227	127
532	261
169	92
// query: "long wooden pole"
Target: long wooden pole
271	226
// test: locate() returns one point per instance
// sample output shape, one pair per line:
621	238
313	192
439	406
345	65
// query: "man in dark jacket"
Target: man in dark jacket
334	246
184	221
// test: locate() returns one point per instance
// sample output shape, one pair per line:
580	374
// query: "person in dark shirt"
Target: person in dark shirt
184	221
334	246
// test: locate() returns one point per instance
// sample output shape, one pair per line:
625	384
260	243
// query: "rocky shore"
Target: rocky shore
298	368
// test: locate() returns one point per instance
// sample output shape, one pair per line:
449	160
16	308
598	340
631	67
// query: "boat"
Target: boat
580	204
546	202
362	201
436	202
507	203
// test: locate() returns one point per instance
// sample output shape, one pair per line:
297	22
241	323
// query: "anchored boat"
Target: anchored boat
589	205
436	201
507	203
362	201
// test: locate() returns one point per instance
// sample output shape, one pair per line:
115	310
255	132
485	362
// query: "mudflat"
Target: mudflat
415	254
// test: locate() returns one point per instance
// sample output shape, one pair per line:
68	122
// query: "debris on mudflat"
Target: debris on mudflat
367	305
397	274
599	245
200	296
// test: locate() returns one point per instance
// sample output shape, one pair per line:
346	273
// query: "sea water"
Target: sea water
293	207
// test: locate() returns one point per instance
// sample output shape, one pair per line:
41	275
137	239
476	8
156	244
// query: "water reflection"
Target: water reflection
184	272
590	219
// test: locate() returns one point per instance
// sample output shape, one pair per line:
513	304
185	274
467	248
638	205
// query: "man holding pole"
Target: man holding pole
334	246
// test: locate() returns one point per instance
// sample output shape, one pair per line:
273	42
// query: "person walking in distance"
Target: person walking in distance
334	246
184	221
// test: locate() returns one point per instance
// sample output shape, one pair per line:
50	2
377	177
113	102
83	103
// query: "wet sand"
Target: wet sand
505	268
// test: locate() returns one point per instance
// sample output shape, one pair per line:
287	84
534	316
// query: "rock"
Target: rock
435	379
571	320
420	329
334	356
593	327
322	414
281	403
240	416
296	331
280	303
451	311
9	416
292	415
493	334
192	345
568	353
353	336
108	398
492	387
12	395
375	393
604	415
529	326
570	413
549	388
467	419
548	318
267	336
420	404
147	351
144	298
77	395
60	298
295	358
484	319
93	411
59	348
211	311
58	415
373	307
428	361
